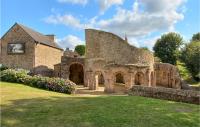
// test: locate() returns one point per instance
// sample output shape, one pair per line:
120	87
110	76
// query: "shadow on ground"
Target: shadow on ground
102	111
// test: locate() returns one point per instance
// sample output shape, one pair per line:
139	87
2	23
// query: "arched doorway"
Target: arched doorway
139	78
76	73
119	78
101	79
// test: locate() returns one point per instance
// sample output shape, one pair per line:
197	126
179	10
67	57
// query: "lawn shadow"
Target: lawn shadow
107	111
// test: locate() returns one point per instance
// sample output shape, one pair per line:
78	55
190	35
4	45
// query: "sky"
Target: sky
142	21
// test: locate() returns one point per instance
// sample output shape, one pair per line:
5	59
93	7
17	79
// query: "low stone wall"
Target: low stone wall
188	96
43	71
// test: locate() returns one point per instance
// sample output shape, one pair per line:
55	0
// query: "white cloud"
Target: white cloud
160	6
70	41
105	4
82	2
149	42
145	18
66	19
139	23
134	42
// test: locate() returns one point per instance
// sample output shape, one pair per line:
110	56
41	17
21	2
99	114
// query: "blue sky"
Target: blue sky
143	21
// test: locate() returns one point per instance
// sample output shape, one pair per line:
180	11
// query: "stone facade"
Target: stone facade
38	56
71	67
14	35
48	56
167	75
113	62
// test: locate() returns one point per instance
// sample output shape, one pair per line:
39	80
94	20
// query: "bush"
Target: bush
53	84
191	58
3	67
11	75
80	49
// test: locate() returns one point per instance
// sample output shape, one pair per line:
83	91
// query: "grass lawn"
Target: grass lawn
24	106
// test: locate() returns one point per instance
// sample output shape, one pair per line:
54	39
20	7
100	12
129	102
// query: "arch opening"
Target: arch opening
119	78
76	73
139	78
101	79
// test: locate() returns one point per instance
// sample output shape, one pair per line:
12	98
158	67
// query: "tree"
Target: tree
145	48
167	47
196	37
80	49
191	56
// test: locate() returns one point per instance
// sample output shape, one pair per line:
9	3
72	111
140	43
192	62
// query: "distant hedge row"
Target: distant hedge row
52	84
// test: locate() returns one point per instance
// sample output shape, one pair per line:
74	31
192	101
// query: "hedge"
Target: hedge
52	84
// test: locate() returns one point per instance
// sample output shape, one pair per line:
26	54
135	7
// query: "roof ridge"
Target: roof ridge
25	28
39	37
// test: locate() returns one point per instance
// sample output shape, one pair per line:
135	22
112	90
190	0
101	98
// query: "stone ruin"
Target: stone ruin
113	63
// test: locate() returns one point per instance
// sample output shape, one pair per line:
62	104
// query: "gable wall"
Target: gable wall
26	60
47	56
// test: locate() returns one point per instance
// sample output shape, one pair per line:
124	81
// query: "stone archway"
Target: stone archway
119	78
76	73
139	78
101	79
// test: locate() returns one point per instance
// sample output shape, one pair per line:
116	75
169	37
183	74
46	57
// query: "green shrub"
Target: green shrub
11	75
52	84
3	67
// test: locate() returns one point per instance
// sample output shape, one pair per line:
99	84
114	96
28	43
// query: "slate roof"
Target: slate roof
38	37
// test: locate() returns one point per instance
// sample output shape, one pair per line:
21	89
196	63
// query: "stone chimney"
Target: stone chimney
51	37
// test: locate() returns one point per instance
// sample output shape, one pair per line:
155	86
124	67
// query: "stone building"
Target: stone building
112	62
22	47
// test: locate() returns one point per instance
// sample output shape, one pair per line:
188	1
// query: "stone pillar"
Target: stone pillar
130	79
108	82
148	77
85	79
90	80
154	79
96	81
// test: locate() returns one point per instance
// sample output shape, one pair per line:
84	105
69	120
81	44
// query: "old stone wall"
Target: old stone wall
188	96
113	49
167	75
25	60
47	56
104	49
77	67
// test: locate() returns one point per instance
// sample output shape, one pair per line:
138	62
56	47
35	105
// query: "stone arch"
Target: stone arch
76	73
139	78
119	78
100	77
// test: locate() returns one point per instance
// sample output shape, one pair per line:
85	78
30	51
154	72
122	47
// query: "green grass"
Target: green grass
24	106
186	75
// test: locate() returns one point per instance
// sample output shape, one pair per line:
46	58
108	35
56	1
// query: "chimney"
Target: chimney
51	37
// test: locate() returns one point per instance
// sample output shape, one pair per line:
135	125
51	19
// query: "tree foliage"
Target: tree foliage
167	47
80	49
196	37
145	48
191	56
